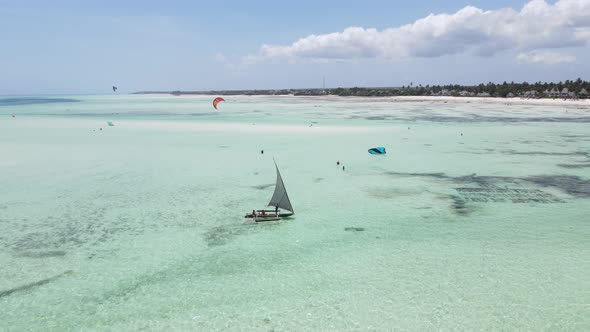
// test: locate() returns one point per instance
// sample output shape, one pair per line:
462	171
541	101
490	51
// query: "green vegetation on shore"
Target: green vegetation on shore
577	89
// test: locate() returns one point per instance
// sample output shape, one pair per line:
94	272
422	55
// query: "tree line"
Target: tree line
574	88
568	89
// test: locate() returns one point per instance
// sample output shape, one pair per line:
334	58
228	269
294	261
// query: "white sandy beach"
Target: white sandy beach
433	99
490	100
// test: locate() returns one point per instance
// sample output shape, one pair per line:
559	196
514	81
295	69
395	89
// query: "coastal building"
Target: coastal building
510	95
530	94
483	94
583	93
565	93
553	93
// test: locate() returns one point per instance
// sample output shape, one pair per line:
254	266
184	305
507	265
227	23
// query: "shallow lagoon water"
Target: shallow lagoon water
140	225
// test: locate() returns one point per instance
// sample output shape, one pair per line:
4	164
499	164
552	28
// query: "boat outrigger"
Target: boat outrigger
280	200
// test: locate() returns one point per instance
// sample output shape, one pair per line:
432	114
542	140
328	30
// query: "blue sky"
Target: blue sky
70	47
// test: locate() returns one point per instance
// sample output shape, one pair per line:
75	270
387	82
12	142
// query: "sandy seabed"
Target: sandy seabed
476	219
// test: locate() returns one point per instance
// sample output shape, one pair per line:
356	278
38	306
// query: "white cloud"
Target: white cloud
538	25
549	58
223	59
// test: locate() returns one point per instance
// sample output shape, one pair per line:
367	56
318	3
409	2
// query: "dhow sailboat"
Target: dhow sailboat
280	200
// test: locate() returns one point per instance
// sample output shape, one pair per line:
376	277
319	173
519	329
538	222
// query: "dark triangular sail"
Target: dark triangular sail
280	198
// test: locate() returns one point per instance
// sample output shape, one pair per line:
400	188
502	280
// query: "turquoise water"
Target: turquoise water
476	219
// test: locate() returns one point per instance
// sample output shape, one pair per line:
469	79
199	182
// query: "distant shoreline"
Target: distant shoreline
570	89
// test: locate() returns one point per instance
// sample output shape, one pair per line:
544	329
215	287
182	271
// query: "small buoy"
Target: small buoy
338	163
461	134
343	167
261	151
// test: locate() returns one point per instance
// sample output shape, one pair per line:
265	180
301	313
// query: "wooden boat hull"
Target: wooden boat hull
268	215
266	218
